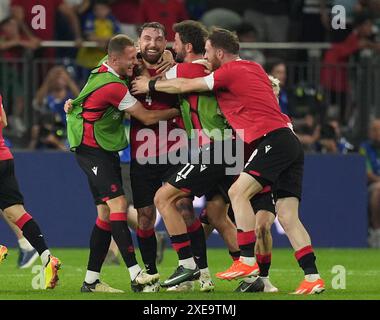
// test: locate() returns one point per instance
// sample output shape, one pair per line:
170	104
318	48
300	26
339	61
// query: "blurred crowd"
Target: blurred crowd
320	127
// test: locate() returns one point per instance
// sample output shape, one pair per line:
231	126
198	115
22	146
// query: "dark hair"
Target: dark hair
273	63
118	43
154	25
224	39
192	32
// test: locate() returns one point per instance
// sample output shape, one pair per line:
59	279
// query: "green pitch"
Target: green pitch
362	277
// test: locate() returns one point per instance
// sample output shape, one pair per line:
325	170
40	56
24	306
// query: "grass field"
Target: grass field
362	277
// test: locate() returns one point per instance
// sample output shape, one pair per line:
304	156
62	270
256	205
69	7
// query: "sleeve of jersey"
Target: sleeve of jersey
172	73
120	97
220	78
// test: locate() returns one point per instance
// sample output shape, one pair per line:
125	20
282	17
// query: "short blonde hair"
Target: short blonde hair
275	85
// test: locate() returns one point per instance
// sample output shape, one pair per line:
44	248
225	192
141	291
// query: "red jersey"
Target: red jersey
158	101
51	7
190	71
5	153
245	96
166	12
114	94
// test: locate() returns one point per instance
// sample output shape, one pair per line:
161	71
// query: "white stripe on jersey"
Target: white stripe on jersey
210	81
171	73
127	102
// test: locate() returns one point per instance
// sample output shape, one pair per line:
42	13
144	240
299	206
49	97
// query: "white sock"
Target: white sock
134	271
91	276
188	263
312	277
24	244
45	257
205	270
248	260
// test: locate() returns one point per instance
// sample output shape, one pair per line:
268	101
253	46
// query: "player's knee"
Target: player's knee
146	219
234	192
160	200
286	220
263	229
118	204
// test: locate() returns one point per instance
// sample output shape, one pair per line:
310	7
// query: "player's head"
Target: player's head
190	37
374	132
221	46
122	55
152	41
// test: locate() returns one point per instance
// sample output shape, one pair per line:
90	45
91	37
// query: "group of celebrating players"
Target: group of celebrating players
207	89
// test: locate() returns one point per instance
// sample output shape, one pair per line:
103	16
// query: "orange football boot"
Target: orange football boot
308	287
239	270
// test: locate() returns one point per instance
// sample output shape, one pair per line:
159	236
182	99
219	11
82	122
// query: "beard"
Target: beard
151	58
180	57
215	64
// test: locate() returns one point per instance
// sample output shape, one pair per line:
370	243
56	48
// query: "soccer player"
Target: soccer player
147	178
12	205
246	98
96	133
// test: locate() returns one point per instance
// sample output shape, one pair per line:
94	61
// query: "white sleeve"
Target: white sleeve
210	81
127	102
172	73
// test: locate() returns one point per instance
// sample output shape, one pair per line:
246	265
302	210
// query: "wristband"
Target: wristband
152	84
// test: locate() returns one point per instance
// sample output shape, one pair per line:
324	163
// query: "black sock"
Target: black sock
123	238
198	244
306	260
99	245
32	233
234	255
181	244
246	241
264	262
148	248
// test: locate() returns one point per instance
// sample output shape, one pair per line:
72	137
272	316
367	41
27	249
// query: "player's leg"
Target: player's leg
122	235
263	249
288	191
27	255
218	217
287	210
99	245
30	229
12	205
165	200
240	193
145	181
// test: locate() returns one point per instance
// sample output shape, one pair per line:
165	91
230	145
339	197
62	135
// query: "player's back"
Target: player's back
246	98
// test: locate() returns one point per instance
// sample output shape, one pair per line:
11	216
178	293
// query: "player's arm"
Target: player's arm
149	117
180	85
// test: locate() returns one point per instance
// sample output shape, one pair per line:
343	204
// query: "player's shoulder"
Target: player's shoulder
191	69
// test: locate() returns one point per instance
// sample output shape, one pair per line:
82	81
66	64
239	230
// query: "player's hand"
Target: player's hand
205	63
140	85
166	63
68	106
